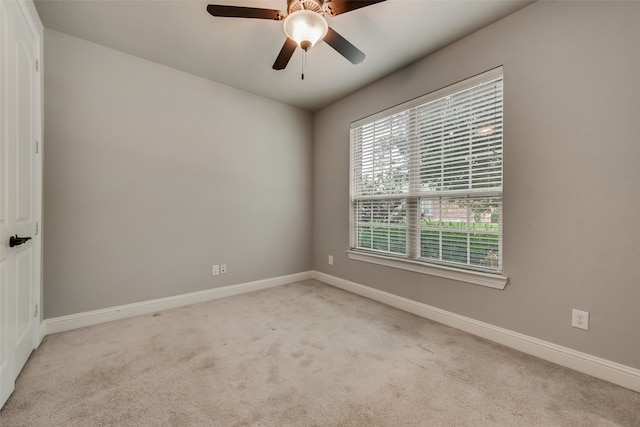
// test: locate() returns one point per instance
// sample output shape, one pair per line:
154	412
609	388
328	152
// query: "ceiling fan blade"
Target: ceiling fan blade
336	7
285	54
244	12
343	47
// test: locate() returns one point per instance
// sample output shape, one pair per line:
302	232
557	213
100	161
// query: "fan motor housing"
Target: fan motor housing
296	5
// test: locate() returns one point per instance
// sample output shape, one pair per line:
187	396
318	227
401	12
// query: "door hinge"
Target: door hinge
36	311
37	147
37	65
37	229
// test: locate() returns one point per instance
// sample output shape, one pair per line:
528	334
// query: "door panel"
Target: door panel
24	127
24	335
4	171
7	374
23	300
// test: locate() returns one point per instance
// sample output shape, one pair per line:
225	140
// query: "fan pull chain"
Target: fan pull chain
304	62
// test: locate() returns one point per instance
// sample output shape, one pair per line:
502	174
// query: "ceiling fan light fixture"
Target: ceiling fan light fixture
305	27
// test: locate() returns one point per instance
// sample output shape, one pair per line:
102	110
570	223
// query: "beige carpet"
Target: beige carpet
304	354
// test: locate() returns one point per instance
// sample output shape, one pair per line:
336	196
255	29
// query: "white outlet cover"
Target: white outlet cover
330	259
215	270
580	319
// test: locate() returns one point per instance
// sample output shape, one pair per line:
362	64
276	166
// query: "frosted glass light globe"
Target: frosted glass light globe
305	27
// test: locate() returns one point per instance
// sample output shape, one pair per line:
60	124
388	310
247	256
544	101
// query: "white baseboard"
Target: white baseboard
79	320
616	373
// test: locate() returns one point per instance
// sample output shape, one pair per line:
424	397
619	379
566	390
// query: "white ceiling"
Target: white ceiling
240	52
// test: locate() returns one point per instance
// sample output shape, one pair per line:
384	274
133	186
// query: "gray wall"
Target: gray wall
153	175
572	170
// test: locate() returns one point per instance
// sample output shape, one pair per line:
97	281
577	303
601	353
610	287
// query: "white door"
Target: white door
20	194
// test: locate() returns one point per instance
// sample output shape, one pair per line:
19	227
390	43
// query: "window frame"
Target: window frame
409	261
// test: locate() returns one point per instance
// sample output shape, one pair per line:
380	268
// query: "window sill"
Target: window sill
496	281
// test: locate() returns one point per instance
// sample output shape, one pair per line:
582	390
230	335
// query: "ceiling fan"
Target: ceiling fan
304	25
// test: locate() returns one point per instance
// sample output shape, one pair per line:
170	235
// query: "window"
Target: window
426	178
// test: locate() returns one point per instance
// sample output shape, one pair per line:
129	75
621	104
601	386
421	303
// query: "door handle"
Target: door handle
15	240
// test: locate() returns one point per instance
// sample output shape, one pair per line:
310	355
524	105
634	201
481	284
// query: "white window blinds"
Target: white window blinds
427	177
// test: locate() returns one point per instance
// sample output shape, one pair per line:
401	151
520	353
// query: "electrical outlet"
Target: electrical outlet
215	270
223	268
330	259
580	319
